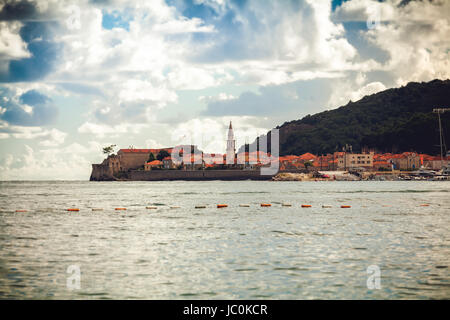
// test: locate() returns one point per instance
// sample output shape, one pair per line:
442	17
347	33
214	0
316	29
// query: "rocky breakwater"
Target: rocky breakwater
323	176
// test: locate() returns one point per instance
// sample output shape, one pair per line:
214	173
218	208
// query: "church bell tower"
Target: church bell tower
231	148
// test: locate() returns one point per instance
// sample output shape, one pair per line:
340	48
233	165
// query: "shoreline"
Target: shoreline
255	175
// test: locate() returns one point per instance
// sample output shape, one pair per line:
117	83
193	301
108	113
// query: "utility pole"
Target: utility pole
439	111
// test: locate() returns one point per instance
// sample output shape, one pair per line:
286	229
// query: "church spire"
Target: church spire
231	146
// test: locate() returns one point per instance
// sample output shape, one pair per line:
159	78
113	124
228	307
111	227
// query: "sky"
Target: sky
76	76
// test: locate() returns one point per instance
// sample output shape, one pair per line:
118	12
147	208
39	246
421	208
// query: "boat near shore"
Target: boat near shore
420	175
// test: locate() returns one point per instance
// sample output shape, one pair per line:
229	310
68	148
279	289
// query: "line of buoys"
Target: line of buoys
218	206
424	205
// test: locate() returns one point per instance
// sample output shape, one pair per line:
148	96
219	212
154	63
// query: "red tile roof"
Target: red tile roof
155	163
135	150
307	156
156	151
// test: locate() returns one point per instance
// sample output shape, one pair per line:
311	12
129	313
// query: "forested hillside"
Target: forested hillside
394	120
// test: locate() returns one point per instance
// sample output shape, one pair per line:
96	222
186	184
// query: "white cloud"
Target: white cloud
297	43
45	137
368	89
220	97
191	78
153	144
143	63
183	26
103	130
11	44
133	89
55	163
413	35
136	65
363	10
210	134
53	138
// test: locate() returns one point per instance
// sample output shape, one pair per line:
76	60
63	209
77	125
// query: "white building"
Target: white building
231	146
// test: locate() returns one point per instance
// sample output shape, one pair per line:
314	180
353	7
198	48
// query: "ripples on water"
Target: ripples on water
235	252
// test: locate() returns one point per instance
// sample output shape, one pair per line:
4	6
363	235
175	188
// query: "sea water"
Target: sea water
393	243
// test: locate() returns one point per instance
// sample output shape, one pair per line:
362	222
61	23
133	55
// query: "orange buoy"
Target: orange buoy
425	205
345	206
265	205
21	211
222	205
120	208
306	206
73	209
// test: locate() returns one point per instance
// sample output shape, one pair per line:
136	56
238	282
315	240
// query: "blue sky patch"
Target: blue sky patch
44	111
115	19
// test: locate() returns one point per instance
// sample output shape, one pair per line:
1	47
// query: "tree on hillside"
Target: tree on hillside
308	164
151	157
109	149
162	154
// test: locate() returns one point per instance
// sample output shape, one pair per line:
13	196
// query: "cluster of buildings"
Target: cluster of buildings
189	157
369	161
127	159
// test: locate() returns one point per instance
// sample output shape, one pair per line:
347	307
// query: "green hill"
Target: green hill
394	120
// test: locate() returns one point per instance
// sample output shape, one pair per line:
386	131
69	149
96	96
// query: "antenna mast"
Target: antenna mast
439	111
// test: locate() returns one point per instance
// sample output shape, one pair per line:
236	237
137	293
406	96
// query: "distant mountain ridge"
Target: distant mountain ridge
394	120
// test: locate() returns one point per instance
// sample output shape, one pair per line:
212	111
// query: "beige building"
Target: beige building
152	165
168	163
435	163
136	158
355	160
406	161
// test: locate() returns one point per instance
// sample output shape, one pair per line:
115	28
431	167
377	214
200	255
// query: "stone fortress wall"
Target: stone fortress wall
156	175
